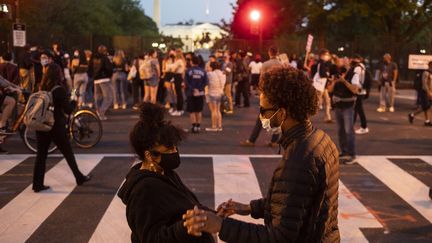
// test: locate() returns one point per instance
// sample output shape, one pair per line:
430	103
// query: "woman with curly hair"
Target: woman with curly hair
302	202
154	194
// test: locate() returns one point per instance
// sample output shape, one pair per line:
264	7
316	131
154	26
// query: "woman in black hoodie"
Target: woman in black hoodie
154	194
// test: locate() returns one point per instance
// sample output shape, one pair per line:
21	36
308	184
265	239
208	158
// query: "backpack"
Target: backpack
418	81
39	111
146	69
367	83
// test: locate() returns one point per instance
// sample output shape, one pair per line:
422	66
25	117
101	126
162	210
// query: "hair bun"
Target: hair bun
151	114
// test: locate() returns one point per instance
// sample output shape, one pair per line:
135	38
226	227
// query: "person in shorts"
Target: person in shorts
214	93
151	85
196	81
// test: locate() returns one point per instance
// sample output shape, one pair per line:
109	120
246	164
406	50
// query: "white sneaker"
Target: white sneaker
381	109
362	131
124	106
171	110
391	109
220	129
211	129
116	107
177	113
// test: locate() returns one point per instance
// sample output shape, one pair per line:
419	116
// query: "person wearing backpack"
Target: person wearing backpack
51	82
365	81
424	90
151	74
102	70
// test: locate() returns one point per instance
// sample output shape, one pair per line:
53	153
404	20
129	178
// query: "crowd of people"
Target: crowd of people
290	92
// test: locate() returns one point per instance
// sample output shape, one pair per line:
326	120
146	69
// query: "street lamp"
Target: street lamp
255	16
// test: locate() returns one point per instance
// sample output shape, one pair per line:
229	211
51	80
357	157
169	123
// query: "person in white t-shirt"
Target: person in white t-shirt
214	92
255	69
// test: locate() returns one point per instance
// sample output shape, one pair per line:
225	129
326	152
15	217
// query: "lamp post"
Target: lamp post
255	16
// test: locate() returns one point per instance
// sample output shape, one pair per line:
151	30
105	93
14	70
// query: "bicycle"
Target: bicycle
84	128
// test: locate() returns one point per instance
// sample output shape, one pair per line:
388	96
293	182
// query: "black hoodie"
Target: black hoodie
155	205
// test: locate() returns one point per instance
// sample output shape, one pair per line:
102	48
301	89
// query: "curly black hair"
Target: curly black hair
289	88
152	130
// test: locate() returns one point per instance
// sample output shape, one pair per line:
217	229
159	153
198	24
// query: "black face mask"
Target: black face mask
170	161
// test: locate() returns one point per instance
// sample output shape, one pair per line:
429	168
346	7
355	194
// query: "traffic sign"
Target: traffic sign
19	35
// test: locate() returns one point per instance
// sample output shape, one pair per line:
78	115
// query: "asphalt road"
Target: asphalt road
391	134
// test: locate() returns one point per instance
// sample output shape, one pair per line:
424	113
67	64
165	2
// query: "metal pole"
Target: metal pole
260	38
17	11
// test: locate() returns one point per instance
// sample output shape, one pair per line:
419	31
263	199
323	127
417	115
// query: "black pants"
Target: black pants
137	85
359	110
178	81
242	90
58	135
256	131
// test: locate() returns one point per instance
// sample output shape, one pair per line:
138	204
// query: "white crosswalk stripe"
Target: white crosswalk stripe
234	177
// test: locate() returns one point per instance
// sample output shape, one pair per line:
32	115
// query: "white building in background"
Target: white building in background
191	34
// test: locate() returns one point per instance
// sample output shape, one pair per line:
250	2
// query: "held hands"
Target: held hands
231	207
197	221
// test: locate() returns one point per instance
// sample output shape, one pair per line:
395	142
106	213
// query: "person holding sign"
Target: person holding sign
320	79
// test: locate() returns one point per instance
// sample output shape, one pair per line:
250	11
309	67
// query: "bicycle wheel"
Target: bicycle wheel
30	141
86	129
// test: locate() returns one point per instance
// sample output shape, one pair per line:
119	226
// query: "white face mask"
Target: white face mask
44	62
266	124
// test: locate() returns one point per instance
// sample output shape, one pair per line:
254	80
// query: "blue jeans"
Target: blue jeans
119	84
345	123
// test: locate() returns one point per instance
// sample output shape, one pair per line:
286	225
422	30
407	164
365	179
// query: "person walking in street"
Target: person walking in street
228	68
151	83
51	81
301	204
119	80
345	91
102	70
273	62
365	83
196	81
242	79
79	68
214	93
168	69
137	82
179	73
388	75
26	70
255	70
425	96
154	194
323	71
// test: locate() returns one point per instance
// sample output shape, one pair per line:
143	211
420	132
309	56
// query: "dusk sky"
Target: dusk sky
174	11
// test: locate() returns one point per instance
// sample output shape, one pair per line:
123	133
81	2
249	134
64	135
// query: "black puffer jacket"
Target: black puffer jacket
302	202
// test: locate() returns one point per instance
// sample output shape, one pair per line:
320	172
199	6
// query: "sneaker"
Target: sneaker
116	107
135	107
349	161
211	129
428	123
247	143
411	118
392	109
362	131
220	129
171	110
39	189
381	109
177	113
124	106
229	112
